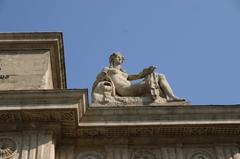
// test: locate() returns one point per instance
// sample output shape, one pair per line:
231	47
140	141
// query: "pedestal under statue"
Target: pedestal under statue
113	86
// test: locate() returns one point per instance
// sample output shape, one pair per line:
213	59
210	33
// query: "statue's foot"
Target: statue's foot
176	99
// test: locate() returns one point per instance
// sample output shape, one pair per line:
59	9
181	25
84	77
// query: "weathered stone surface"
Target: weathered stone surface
31	61
21	70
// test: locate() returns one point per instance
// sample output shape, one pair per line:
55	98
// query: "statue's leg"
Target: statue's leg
134	90
165	86
138	89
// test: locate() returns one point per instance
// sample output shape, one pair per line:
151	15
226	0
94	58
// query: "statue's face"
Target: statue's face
118	60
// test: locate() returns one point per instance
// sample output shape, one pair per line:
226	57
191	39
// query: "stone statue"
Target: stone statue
113	86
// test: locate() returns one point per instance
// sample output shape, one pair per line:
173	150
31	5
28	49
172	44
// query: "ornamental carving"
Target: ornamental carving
143	154
89	155
158	131
200	155
8	148
67	116
6	117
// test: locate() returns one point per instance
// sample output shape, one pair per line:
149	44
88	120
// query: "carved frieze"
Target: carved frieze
188	151
158	131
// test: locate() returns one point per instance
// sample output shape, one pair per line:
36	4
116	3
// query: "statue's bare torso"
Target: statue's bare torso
123	86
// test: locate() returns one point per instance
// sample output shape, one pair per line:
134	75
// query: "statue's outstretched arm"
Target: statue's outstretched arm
135	76
144	73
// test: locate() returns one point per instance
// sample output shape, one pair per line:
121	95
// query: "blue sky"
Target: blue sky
195	43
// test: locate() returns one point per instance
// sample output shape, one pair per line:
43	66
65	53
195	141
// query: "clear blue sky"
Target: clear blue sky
195	43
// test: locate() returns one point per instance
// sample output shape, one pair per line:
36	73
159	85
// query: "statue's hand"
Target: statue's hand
148	70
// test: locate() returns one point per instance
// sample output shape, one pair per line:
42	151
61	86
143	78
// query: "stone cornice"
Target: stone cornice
165	121
57	110
162	115
21	98
68	114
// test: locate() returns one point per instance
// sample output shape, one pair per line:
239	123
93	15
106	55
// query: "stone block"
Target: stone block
30	61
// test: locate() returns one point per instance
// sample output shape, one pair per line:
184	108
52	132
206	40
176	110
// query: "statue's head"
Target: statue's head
114	56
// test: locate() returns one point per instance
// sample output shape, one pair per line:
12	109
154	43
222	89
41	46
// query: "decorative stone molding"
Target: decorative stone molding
143	154
199	155
90	155
160	151
159	131
8	147
7	117
33	107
